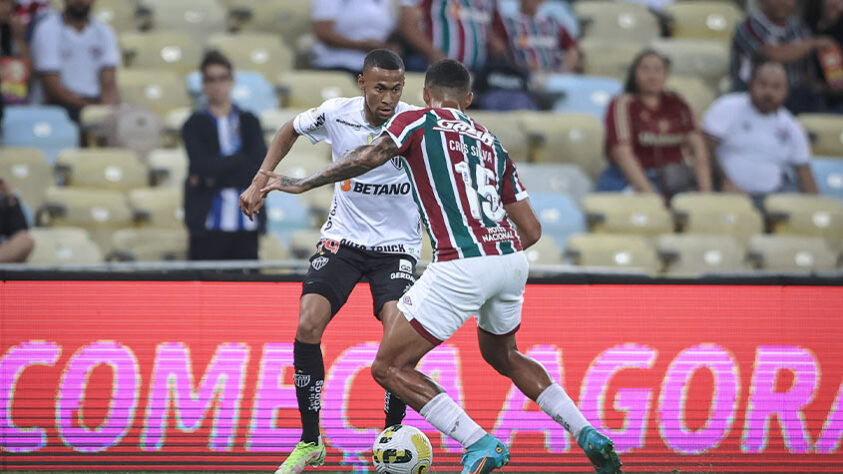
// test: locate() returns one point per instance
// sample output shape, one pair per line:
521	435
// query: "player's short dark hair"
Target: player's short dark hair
212	58
383	59
631	83
448	74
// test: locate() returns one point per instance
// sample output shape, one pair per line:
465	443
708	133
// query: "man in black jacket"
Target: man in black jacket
15	242
225	147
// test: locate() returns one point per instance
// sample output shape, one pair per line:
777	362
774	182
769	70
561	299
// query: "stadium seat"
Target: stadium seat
507	127
173	122
544	252
303	243
119	14
714	20
566	138
696	93
158	207
272	120
305	158
414	89
251	91
825	132
149	244
111	169
555	179
804	214
198	18
787	253
582	94
709	213
285	215
166	50
319	201
157	90
306	89
289	18
260	52
27	172
47	128
99	212
559	215
623	213
617	21
707	60
608	58
167	167
427	248
829	176
63	246
270	248
691	255
632	252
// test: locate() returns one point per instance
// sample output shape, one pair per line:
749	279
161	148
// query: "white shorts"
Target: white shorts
448	293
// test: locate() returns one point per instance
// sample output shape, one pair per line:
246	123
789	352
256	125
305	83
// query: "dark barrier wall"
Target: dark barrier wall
123	375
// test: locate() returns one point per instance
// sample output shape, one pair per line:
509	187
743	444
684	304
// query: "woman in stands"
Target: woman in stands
648	132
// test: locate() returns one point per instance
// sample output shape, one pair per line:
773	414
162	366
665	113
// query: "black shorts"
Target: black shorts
335	268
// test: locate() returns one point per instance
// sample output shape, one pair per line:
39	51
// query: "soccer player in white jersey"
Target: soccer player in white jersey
373	230
479	219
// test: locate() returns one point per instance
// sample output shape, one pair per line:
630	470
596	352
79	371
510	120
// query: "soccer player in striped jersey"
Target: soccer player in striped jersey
479	219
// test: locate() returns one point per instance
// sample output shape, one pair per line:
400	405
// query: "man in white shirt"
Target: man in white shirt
75	57
373	230
756	140
346	30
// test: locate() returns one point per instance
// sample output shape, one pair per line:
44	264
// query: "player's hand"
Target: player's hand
285	184
251	201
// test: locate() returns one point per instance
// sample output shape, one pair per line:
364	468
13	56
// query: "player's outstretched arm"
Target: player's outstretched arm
526	223
251	200
353	164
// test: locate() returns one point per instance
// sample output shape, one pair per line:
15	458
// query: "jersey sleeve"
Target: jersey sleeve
325	10
45	51
618	124
801	146
512	189
687	121
312	123
403	128
111	56
717	119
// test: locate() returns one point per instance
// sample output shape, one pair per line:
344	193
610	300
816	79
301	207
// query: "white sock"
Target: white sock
449	418
559	406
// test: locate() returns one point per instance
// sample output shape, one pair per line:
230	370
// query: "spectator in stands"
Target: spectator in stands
647	128
538	43
774	33
225	148
14	56
429	25
825	18
15	242
756	141
347	30
75	58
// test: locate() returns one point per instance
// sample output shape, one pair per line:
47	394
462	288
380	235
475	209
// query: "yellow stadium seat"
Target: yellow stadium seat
306	89
259	52
319	202
704	19
694	90
507	127
149	244
173	122
63	246
303	243
99	212
826	133
157	90
805	214
168	167
705	59
113	169
619	251
691	255
623	213
167	50
158	207
273	120
602	57
566	138
720	214
289	18
27	172
270	248
198	18
119	14
544	252
788	253
617	21
414	89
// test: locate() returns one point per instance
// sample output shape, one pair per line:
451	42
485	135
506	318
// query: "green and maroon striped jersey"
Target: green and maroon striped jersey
461	179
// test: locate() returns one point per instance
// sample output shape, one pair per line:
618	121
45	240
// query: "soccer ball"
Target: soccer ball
402	449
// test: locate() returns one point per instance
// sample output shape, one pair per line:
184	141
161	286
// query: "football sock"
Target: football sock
395	409
309	377
449	418
556	403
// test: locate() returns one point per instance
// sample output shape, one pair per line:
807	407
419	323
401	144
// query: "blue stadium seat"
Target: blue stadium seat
828	172
251	91
560	216
583	94
286	214
47	128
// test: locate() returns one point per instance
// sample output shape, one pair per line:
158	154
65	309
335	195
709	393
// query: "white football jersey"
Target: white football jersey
374	211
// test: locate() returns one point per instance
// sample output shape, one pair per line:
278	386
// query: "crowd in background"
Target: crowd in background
785	59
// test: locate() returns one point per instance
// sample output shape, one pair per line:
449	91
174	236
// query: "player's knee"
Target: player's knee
311	326
383	372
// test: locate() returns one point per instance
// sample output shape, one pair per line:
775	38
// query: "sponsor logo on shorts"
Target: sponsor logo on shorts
301	380
407	300
330	245
405	266
318	263
401	276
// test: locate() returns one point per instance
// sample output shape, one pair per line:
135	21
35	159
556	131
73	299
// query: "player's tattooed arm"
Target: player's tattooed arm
354	163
